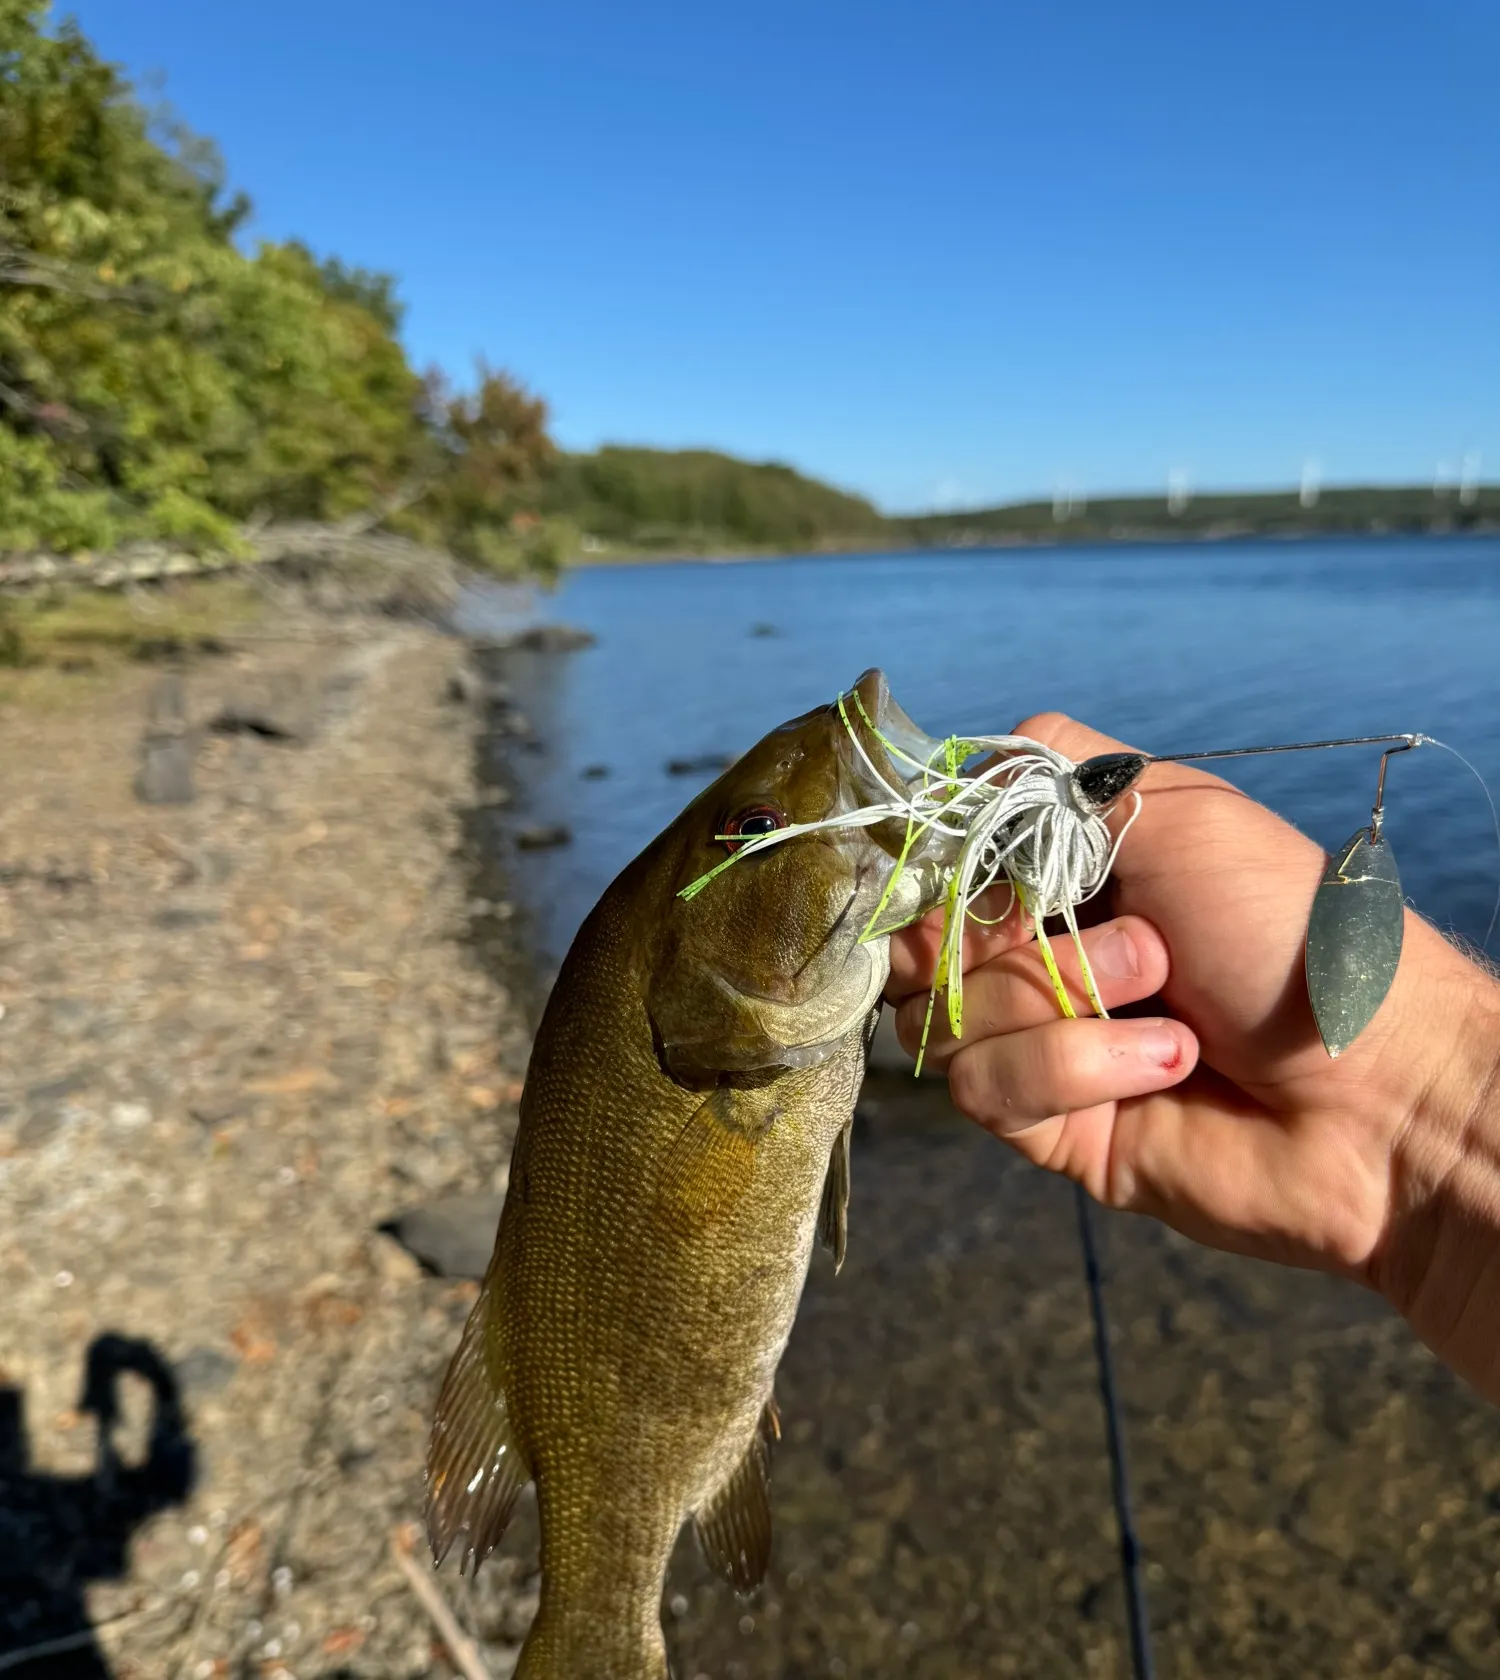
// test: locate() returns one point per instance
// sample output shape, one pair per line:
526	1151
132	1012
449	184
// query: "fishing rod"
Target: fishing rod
1141	1661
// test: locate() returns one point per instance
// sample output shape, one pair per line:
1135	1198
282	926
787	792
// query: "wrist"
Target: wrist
1438	1258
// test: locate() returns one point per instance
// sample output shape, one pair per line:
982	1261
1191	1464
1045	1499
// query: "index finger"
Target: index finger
914	951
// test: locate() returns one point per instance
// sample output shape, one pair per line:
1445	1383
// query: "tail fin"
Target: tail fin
475	1470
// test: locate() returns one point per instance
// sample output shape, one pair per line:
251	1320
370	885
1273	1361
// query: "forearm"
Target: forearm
1438	1260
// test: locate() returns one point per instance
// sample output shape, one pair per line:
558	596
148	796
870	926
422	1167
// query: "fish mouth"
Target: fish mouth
720	1012
890	754
888	758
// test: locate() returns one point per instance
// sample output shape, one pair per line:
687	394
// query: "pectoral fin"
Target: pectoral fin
711	1165
474	1467
734	1527
833	1215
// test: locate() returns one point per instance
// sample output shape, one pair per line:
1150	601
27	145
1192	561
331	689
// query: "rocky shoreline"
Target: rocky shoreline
240	1035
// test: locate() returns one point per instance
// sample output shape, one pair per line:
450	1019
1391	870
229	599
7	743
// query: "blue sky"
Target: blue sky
940	252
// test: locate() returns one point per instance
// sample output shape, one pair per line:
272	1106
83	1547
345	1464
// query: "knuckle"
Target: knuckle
1057	1054
973	1086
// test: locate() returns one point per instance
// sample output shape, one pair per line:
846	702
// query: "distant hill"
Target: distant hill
1244	513
630	501
697	501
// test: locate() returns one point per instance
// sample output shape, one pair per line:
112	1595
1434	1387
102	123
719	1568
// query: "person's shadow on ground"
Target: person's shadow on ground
58	1533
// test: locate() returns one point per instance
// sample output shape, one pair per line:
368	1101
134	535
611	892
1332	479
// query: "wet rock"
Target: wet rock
204	1370
702	765
166	706
511	720
46	1105
539	836
165	776
68	1085
452	1237
472	688
213	1108
179	916
72	1017
161	650
555	638
276	706
39	1125
213	866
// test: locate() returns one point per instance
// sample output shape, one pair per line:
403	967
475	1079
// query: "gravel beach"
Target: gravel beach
238	1035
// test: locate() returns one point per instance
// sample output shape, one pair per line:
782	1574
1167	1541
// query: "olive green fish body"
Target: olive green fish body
685	1121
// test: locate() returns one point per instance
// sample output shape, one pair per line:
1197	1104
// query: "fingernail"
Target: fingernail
1160	1043
1116	956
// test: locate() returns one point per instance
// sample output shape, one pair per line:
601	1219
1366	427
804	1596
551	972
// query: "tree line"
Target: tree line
159	382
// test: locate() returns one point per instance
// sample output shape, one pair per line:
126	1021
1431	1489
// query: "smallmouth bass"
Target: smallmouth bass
684	1134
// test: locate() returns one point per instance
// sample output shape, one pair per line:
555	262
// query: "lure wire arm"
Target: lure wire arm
1377	811
1102	779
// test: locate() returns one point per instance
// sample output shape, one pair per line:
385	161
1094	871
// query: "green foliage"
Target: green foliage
158	382
487	452
698	500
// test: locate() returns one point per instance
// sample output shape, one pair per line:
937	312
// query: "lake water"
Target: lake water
1169	648
1315	1495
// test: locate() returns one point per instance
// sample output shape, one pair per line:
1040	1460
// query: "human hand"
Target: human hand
1223	1115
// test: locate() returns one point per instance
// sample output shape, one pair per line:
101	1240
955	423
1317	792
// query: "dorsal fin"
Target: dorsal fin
734	1526
474	1467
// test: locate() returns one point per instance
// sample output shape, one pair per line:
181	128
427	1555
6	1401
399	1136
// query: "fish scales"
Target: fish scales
692	1079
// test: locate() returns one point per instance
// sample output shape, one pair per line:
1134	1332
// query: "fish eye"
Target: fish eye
748	824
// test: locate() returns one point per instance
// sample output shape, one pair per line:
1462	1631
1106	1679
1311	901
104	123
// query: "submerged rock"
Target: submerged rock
165	776
452	1237
541	835
555	638
472	688
277	706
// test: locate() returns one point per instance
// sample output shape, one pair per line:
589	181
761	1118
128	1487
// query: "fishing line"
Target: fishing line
1484	788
